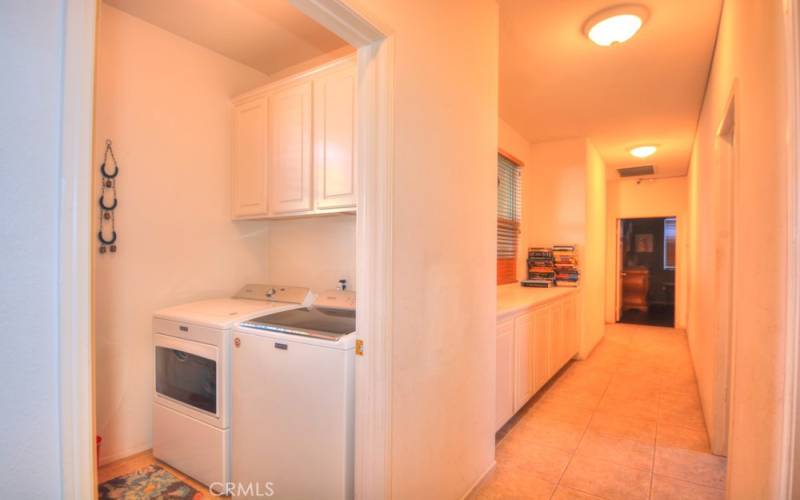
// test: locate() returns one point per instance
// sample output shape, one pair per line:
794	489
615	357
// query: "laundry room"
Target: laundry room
224	156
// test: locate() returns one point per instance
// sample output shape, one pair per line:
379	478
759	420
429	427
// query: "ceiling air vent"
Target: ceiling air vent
636	171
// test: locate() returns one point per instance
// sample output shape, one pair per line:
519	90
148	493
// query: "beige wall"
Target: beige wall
556	200
316	252
31	48
564	202
166	105
629	199
444	248
593	268
511	141
748	56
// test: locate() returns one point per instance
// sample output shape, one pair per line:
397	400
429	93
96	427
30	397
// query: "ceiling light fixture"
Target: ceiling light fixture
616	24
643	151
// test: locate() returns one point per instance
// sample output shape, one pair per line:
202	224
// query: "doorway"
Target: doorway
373	243
647	267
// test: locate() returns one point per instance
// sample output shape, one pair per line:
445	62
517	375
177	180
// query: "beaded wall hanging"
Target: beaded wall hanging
107	229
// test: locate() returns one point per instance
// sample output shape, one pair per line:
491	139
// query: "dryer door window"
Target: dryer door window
187	378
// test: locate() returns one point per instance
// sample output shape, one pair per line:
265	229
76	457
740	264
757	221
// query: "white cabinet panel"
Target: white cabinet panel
523	360
531	347
294	145
334	139
504	408
249	162
542	329
290	150
558	342
571	332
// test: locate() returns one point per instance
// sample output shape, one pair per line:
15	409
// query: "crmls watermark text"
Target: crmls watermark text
242	489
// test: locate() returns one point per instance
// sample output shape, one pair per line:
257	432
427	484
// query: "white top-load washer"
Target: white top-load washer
191	403
293	402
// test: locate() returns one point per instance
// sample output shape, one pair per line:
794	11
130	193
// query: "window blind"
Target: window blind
509	211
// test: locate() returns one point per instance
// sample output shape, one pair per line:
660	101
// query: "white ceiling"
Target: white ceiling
268	35
555	83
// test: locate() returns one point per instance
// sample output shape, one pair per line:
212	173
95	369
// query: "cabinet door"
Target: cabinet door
290	150
249	162
571	333
541	347
558	342
335	139
523	360
504	409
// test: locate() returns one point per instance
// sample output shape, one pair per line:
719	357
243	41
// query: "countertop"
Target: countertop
514	297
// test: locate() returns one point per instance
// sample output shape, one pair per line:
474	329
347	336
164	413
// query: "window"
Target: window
669	243
509	208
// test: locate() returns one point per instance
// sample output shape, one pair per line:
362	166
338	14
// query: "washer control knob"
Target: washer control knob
237	342
270	293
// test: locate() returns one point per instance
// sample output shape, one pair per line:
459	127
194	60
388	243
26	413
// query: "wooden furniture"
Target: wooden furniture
533	344
293	145
635	285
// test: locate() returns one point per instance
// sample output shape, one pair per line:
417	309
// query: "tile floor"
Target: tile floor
624	424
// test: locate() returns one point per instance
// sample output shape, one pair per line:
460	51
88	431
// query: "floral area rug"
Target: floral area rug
151	482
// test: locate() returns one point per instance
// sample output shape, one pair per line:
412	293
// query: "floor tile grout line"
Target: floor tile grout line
655	439
695	483
585	430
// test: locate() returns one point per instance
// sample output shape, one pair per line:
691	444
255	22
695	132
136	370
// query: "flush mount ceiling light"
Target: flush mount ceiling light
643	151
616	24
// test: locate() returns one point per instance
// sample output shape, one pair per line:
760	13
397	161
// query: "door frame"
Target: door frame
373	245
727	157
619	264
790	453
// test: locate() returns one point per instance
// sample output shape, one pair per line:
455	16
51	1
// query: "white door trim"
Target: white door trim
373	239
75	346
790	456
727	161
373	245
618	265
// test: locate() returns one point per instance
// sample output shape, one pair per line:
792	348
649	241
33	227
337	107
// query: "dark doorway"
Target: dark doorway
647	277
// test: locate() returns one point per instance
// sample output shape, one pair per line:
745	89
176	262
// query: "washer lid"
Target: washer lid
221	313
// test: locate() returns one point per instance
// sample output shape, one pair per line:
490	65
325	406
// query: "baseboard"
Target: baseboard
107	459
480	481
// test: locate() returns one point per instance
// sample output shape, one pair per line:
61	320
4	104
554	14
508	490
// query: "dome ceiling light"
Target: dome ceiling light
616	24
643	151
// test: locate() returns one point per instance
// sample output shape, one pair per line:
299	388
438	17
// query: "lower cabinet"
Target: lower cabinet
505	372
558	341
524	362
543	338
532	346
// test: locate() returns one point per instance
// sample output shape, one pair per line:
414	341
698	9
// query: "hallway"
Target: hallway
624	424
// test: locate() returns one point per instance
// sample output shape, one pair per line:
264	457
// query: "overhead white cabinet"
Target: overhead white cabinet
294	145
290	150
533	345
249	162
335	139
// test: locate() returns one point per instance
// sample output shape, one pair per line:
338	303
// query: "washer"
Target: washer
191	403
293	402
